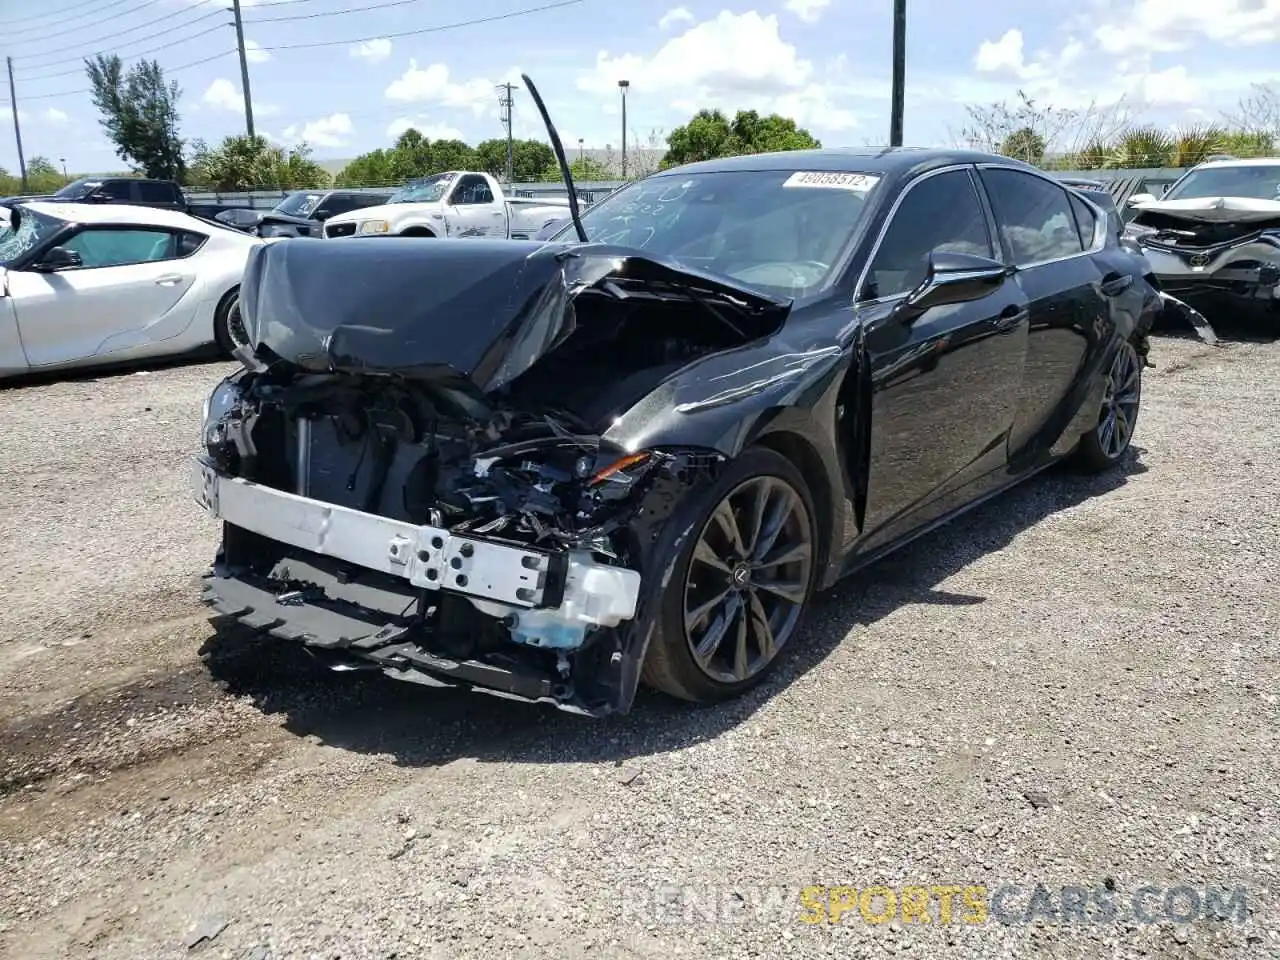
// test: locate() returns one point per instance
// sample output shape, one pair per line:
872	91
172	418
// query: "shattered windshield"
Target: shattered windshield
33	229
777	230
299	204
1260	182
425	191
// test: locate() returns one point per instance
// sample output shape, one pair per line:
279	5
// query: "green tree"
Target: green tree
139	114
1023	144
451	155
583	169
529	159
374	169
254	163
411	156
43	176
710	134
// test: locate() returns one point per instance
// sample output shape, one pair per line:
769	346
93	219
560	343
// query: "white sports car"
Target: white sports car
82	285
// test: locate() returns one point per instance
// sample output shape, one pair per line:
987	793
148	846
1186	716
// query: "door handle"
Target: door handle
1114	284
1011	317
169	280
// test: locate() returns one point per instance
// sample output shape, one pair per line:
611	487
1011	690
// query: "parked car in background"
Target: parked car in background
85	284
454	204
548	470
302	212
137	191
1216	231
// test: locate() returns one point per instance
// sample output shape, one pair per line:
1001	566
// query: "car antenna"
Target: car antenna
558	147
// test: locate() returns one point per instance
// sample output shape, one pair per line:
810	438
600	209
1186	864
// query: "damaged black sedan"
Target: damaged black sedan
549	471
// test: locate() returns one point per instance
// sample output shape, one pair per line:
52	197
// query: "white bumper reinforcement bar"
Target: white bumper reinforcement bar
429	557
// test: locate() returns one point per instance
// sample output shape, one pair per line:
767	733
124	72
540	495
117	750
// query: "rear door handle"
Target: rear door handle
1114	284
1011	317
169	280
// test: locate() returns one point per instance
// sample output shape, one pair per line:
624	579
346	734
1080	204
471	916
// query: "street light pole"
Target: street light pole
622	86
899	72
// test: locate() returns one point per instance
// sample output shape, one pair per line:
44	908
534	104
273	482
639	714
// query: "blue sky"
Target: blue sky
824	62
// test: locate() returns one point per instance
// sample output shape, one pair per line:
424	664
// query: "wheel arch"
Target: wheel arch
417	231
802	452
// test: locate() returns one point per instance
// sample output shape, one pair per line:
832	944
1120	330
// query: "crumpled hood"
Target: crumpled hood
1238	209
481	310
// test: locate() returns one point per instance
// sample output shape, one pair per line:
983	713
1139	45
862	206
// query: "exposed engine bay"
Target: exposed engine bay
448	508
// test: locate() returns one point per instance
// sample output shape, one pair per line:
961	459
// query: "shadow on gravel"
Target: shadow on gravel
208	354
369	713
1232	322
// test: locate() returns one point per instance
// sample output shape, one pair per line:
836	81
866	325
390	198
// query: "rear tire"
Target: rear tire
228	324
740	582
1106	444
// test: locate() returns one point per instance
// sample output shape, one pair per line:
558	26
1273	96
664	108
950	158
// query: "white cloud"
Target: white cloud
431	84
54	115
731	62
222	94
375	51
808	10
432	131
332	131
675	17
1167	25
6	114
1173	86
1002	54
254	53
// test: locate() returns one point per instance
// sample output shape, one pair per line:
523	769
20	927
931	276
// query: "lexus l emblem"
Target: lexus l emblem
1199	259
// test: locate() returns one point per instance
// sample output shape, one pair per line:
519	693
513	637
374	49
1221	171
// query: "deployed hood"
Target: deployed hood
483	311
1238	209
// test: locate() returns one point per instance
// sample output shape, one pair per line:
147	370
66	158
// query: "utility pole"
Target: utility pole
17	127
623	85
898	101
507	101
244	68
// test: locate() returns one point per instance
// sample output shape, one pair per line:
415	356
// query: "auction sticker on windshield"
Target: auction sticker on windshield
857	182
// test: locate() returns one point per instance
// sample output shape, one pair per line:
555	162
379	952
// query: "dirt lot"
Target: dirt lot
1076	685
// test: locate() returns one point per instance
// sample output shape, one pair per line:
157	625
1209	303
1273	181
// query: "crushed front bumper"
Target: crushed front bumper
357	626
1248	269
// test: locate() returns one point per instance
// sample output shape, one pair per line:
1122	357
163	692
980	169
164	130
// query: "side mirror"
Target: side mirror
1140	198
58	258
953	278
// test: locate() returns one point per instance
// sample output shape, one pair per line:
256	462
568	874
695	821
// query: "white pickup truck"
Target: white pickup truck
454	204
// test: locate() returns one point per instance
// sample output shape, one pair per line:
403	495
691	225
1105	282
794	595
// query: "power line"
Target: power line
74	93
60	13
334	13
437	29
131	56
123	56
120	33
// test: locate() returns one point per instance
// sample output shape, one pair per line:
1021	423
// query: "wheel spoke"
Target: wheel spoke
695	616
741	664
728	523
790	590
793	553
761	627
706	556
714	637
775	522
759	504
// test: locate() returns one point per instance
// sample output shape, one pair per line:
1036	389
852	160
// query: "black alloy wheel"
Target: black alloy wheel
744	580
1109	441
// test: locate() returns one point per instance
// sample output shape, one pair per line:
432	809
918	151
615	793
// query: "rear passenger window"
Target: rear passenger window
940	212
115	190
189	243
1034	216
156	193
1086	221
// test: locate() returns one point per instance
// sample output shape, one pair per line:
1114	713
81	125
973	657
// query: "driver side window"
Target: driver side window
472	190
114	247
941	212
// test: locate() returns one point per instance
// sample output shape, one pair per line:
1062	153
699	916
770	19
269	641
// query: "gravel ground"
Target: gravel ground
1074	685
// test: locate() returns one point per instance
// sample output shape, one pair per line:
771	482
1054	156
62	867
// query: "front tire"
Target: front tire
741	582
228	325
1106	444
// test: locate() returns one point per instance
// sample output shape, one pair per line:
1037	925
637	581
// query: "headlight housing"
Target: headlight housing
374	226
224	398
